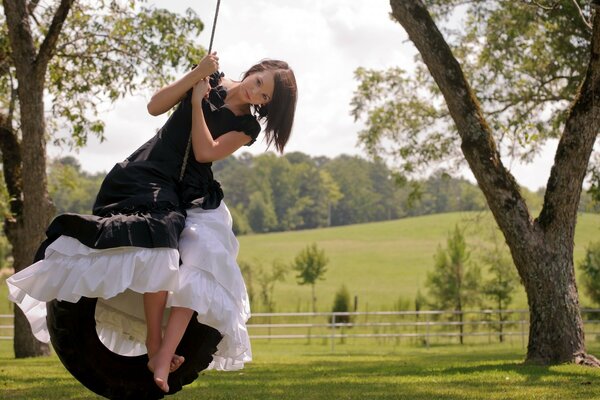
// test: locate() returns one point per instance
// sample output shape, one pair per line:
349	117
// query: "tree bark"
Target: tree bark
542	249
32	209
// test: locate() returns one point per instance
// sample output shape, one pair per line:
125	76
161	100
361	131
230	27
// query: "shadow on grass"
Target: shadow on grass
397	379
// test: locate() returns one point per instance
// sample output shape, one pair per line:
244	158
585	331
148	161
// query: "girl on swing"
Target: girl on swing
160	236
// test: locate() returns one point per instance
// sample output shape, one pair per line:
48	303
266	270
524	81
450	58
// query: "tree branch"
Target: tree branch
576	144
49	44
585	21
478	146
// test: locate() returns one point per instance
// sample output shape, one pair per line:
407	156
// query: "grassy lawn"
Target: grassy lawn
357	370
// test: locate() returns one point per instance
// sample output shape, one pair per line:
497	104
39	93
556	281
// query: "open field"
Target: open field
380	262
359	370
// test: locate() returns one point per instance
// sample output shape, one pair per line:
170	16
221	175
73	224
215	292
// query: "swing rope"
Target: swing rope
189	144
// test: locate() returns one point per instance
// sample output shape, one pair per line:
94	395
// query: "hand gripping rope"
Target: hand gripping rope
189	145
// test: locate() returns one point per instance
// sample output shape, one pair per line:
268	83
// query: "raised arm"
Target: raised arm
206	149
165	98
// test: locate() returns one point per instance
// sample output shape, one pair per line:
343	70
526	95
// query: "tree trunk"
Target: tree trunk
32	208
542	249
556	328
27	231
314	298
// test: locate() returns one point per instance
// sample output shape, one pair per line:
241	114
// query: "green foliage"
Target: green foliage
402	304
420	300
503	279
5	253
502	283
590	267
266	280
261	215
105	51
241	226
310	263
247	271
523	59
256	274
341	303
453	283
71	189
594	190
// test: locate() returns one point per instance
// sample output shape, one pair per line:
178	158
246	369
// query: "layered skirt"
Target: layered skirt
202	274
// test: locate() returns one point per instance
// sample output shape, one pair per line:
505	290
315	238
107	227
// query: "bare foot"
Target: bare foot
159	365
176	362
152	348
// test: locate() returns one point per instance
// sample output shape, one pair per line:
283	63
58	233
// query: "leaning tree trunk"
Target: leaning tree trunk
27	231
32	210
542	249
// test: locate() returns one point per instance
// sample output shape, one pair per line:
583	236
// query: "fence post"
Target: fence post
333	332
427	330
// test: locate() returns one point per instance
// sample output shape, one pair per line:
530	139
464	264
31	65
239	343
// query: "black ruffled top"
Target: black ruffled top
150	176
141	201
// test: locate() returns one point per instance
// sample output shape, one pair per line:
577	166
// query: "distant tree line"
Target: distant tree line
269	193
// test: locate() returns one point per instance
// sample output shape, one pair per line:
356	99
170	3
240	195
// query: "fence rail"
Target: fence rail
423	327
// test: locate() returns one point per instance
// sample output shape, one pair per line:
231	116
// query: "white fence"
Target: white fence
423	327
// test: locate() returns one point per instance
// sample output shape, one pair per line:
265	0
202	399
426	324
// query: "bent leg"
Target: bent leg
160	362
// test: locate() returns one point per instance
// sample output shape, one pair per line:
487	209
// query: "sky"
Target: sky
324	41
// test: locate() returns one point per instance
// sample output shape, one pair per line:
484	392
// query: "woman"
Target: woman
160	235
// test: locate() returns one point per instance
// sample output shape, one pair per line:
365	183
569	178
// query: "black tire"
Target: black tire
73	334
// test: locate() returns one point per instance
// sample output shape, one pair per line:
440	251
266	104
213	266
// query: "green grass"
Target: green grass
380	262
359	370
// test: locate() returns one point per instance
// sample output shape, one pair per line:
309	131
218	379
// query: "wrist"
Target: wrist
197	103
201	72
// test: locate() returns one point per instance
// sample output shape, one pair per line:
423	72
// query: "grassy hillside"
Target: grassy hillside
380	262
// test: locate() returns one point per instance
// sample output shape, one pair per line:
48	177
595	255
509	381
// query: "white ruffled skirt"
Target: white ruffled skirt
208	281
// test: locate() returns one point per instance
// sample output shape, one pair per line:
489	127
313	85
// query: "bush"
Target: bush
341	303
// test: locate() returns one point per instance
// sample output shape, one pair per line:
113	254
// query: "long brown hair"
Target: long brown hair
279	112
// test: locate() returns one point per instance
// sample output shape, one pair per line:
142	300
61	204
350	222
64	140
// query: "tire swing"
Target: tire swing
72	328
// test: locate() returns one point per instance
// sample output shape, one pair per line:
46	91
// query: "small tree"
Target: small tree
341	303
590	267
502	283
453	283
310	264
266	282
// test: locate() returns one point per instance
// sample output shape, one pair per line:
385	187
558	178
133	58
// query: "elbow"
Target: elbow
203	157
153	109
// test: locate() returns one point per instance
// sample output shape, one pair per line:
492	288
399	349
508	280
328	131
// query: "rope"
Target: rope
189	144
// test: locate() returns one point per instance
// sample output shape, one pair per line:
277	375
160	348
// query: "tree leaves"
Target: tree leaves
523	59
107	50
